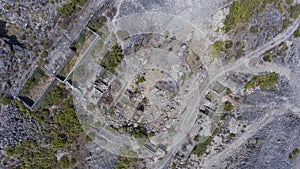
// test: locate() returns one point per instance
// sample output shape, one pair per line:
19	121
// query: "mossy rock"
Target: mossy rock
123	35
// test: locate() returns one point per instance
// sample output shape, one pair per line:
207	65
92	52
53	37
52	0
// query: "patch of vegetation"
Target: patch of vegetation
4	100
89	138
215	131
59	142
78	46
253	29
127	159
139	132
63	73
267	58
113	59
297	33
33	155
60	130
228	44
65	163
218	46
242	11
140	79
67	119
123	35
20	106
56	96
33	80
289	1
200	149
294	153
263	81
228	107
239	117
145	101
84	36
44	54
90	107
125	162
285	23
70	8
66	10
228	91
295	11
280	51
97	24
197	138
42	62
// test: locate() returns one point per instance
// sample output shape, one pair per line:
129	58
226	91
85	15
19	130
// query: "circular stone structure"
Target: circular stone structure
150	103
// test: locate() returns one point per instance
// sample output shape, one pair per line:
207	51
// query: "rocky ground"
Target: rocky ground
239	127
15	127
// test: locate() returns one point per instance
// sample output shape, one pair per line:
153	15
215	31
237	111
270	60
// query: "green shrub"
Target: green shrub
4	100
90	107
240	117
68	120
218	46
297	33
197	138
98	23
294	153
44	54
289	1
263	81
201	148
79	2
66	10
285	23
240	12
33	80
56	95
113	59
145	101
69	8
140	79
125	162
228	91
295	11
64	162
20	106
126	159
33	155
267	58
253	29
60	128
59	142
89	138
228	107
228	44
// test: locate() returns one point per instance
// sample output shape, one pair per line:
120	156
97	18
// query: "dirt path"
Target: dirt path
243	65
244	61
269	117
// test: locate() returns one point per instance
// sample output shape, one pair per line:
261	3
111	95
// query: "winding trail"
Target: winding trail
241	64
244	60
269	117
